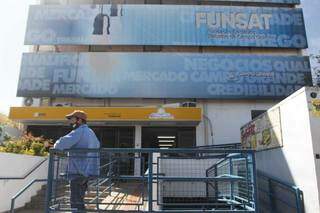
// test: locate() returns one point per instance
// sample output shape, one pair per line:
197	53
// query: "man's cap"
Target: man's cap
78	114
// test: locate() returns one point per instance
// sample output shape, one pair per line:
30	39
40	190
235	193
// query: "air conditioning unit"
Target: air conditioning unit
31	102
189	104
62	104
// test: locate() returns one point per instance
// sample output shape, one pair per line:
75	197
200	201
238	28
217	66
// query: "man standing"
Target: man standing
81	165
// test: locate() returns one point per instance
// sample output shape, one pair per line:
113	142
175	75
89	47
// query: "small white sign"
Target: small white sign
161	114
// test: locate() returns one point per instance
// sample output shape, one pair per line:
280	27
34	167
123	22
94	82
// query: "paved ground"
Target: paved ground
124	195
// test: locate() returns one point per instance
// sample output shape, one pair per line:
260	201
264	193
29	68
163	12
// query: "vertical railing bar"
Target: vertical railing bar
231	183
118	164
255	188
270	194
150	182
207	187
247	180
12	206
157	179
110	173
298	200
49	183
56	180
97	191
216	183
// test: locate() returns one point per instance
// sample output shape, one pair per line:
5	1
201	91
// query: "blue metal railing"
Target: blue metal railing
222	146
242	192
278	196
16	196
175	181
27	173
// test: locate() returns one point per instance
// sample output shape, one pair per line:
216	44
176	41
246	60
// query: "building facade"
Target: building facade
159	73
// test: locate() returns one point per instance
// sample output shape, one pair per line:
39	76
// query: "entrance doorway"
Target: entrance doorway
168	137
115	137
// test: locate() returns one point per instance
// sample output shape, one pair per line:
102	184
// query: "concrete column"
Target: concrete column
137	145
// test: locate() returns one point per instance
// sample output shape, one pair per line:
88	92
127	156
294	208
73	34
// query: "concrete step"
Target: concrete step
37	203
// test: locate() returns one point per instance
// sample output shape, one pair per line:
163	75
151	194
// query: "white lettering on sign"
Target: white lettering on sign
243	21
64	75
235	64
251	90
83	89
34	85
55	13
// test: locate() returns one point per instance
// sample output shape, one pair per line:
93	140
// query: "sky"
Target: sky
13	18
312	16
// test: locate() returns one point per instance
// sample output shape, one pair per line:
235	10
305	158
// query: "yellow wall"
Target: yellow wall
104	113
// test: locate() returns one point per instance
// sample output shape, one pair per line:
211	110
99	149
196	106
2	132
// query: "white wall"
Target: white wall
226	117
295	163
16	165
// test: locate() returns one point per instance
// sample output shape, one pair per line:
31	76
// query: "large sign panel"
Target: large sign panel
260	1
161	75
264	132
166	25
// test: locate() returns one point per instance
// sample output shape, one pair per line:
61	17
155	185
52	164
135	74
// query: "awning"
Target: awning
107	114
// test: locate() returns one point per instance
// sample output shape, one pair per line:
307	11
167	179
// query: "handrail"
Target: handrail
221	146
13	199
153	150
298	193
277	180
27	174
228	157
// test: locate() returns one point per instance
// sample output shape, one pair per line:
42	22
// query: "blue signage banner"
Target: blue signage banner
161	75
166	25
260	1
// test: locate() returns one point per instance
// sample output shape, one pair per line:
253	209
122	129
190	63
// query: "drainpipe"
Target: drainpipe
206	121
211	130
205	109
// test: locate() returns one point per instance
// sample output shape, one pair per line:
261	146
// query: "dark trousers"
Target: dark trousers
78	187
